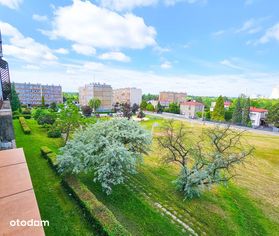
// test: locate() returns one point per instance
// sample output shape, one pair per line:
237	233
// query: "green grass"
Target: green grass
55	204
249	205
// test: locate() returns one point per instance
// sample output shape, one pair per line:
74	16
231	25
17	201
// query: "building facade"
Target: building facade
165	98
97	90
189	109
31	94
127	95
258	116
275	93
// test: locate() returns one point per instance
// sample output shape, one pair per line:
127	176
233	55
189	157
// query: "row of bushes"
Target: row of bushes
24	125
95	210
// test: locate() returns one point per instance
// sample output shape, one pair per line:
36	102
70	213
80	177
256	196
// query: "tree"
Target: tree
159	108
43	101
204	161
143	105
246	112
148	97
135	108
218	113
140	114
150	107
69	119
108	149
15	103
48	119
126	110
174	108
273	115
53	106
86	110
237	113
95	103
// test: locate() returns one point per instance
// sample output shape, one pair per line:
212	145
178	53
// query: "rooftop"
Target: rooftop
192	103
255	109
17	197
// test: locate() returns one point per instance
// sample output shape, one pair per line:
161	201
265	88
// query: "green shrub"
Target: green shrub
45	150
46	119
26	111
52	160
54	133
24	125
96	211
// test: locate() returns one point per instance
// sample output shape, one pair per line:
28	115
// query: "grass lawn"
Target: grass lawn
55	205
247	206
148	201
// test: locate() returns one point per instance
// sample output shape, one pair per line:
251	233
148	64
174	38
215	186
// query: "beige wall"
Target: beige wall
190	111
100	91
127	95
170	97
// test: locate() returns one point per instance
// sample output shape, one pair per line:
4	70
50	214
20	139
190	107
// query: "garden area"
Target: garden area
147	202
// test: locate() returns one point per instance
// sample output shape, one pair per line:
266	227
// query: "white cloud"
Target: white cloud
25	48
218	33
230	64
206	85
13	4
84	49
31	67
120	5
39	17
250	26
271	33
166	65
61	51
116	56
87	24
173	2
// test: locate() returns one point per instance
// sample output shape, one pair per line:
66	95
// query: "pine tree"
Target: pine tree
237	113
43	101
15	103
159	108
246	112
218	113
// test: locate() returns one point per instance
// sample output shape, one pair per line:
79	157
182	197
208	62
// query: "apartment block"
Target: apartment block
127	95
166	98
96	90
31	94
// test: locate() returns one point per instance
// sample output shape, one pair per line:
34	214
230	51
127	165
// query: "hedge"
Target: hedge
26	116
45	150
24	125
96	211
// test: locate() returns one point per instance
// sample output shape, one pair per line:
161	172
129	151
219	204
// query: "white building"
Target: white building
257	116
189	109
127	95
275	93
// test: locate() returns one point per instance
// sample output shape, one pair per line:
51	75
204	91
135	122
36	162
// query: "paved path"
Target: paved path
183	118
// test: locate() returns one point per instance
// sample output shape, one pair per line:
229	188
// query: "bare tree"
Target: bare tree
204	160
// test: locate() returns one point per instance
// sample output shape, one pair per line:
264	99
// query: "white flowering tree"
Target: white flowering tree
109	149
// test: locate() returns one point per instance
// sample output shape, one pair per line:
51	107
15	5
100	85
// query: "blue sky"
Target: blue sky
203	47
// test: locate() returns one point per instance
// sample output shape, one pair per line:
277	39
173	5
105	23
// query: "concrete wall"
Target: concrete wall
7	137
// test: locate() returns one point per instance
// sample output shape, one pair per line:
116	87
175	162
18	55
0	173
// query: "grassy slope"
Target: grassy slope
55	205
250	206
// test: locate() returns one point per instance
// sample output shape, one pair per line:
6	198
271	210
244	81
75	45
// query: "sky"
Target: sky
202	47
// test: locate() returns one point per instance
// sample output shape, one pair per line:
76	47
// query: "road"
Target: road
183	118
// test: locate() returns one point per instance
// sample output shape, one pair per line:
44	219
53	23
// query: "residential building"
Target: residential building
154	103
96	90
227	104
127	95
31	94
189	109
165	98
258	116
275	93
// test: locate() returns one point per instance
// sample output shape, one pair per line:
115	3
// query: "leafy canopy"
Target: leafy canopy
109	149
